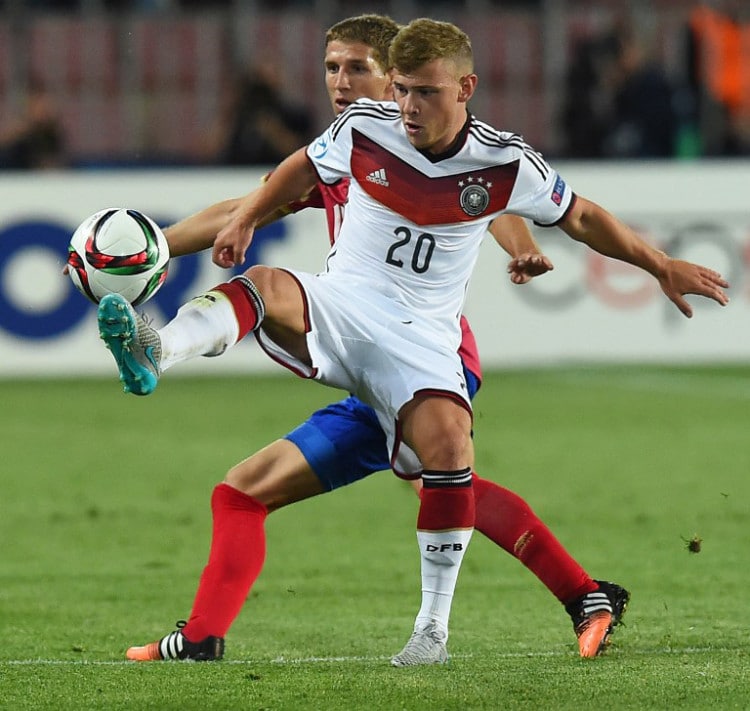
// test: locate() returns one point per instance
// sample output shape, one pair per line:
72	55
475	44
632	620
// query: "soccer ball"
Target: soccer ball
120	251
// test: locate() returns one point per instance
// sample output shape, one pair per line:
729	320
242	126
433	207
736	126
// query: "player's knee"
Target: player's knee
267	280
244	477
251	477
281	296
439	431
260	275
448	447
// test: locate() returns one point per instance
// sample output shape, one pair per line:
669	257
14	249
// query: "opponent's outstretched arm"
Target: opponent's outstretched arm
198	231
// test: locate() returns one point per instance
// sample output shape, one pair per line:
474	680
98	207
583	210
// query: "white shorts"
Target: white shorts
361	342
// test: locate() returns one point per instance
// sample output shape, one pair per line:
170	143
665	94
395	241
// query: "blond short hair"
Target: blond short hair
424	40
376	31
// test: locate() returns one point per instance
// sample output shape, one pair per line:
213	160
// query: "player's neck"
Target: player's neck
454	146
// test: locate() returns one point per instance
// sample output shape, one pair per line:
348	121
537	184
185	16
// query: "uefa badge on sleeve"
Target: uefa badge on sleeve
558	191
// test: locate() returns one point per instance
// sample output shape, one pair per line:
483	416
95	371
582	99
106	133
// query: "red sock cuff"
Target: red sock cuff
246	302
225	495
446	508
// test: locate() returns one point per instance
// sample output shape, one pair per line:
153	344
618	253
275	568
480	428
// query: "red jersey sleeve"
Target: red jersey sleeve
313	199
331	198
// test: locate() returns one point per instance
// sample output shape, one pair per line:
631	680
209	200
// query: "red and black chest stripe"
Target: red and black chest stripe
427	200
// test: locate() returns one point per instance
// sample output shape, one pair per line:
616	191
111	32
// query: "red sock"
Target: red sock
506	519
246	301
443	506
238	550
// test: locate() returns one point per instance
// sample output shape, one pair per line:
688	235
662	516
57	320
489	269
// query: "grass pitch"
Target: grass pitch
105	527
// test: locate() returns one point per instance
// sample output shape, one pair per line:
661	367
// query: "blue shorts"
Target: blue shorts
343	442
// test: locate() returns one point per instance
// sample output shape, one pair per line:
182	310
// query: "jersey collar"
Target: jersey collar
454	148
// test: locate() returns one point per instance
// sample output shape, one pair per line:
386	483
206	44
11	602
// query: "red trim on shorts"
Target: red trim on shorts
446	393
306	317
289	366
398	439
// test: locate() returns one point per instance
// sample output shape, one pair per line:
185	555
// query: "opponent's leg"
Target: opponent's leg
276	475
595	607
337	445
236	558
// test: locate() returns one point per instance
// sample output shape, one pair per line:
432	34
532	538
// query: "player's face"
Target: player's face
352	73
433	100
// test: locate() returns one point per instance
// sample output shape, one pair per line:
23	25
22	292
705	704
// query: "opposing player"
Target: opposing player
444	417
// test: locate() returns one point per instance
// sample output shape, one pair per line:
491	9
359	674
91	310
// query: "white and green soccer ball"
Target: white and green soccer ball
118	251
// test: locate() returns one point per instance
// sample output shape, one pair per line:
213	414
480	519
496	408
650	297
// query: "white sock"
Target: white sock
442	553
204	326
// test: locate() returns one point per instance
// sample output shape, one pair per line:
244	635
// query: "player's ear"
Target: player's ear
467	85
388	94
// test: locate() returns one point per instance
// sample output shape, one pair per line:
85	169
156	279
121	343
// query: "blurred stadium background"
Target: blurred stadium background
139	84
93	537
123	72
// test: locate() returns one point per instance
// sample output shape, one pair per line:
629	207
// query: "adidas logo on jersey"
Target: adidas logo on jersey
378	177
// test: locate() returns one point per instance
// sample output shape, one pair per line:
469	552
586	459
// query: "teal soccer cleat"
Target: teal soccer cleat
135	345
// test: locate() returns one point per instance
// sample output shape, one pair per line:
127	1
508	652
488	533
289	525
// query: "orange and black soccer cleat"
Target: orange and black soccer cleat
596	614
176	646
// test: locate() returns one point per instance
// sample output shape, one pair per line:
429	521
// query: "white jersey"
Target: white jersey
415	221
383	320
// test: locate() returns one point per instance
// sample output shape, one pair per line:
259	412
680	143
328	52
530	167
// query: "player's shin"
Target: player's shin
212	322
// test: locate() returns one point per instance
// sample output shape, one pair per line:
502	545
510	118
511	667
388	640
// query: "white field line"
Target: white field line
338	660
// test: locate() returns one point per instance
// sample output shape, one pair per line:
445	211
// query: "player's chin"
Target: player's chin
417	140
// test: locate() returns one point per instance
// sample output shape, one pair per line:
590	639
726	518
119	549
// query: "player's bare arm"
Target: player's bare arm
512	233
198	231
591	224
295	176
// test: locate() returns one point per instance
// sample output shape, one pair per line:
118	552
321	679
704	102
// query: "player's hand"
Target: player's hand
680	278
230	244
525	267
